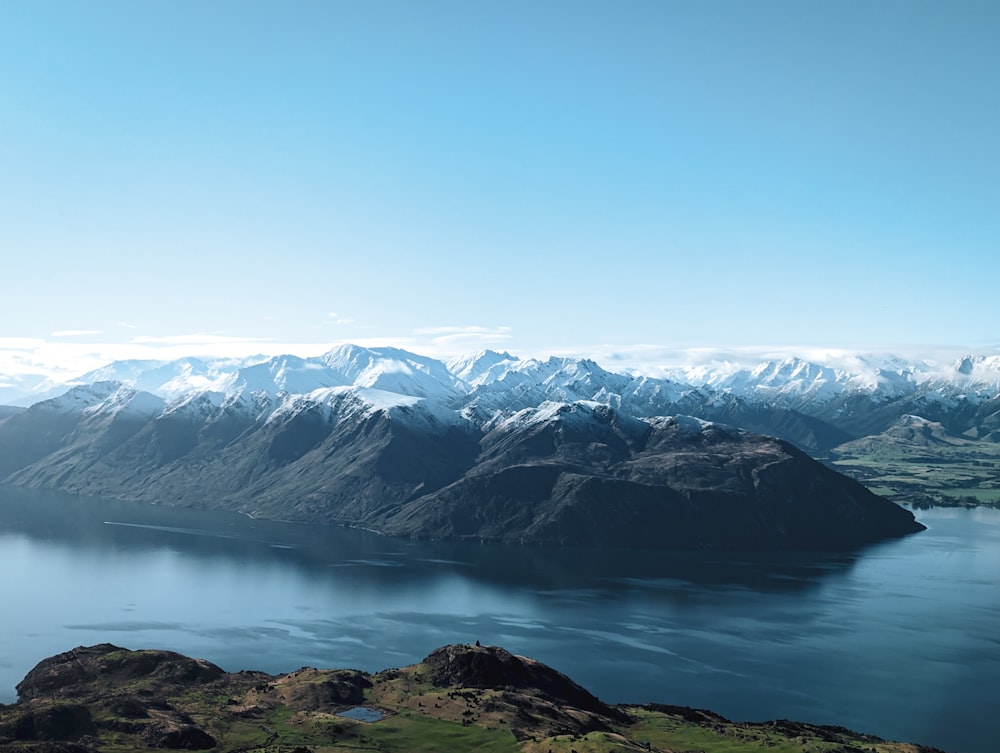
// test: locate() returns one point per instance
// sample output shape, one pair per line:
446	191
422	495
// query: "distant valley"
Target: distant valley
492	447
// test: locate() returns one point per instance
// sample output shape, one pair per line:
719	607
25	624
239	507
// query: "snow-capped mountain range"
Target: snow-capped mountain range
489	383
488	447
795	379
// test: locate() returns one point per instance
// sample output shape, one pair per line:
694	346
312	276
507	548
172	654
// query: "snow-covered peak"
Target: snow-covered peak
196	404
576	413
168	379
548	412
127	401
788	370
484	366
80	398
691	423
349	402
493	385
564	378
796	382
686	424
392	370
979	372
282	375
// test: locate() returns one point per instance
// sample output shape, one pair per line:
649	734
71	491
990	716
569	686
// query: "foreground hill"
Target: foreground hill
459	698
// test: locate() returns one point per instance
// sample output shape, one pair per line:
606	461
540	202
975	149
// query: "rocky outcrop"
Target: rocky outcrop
312	690
73	673
494	667
178	737
58	722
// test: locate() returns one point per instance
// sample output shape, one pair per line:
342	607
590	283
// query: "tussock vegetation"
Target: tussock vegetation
461	698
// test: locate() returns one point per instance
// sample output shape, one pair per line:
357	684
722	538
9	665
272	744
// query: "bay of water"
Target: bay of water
898	640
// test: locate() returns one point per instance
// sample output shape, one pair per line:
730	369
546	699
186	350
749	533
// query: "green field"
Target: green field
958	472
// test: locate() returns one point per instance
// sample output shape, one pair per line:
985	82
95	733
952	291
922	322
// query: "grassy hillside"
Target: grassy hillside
460	698
919	462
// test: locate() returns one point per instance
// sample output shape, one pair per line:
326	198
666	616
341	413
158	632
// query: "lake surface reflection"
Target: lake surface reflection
898	640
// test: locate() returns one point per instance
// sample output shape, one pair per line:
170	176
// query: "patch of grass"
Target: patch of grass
670	732
981	496
592	742
673	733
413	732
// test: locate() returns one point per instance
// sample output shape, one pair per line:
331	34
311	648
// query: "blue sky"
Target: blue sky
630	178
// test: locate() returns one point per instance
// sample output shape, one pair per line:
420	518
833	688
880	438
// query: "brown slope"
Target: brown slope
607	480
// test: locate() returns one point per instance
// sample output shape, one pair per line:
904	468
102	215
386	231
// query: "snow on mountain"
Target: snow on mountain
795	382
127	401
168	379
686	424
482	367
282	375
510	386
360	401
352	403
790	379
387	369
977	374
488	386
392	370
80	398
550	411
199	406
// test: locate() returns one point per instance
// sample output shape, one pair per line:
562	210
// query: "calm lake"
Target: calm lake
900	640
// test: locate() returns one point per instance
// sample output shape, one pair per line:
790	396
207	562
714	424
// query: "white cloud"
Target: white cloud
195	339
655	359
20	343
471	331
451	341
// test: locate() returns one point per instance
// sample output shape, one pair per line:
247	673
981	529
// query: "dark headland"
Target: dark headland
565	474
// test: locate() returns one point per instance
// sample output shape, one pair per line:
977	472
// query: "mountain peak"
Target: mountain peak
463	665
473	368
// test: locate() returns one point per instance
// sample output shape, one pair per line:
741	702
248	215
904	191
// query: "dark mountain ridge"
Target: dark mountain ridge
566	473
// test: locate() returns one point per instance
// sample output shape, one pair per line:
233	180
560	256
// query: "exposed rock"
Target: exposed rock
72	673
462	665
311	690
184	737
61	721
127	707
